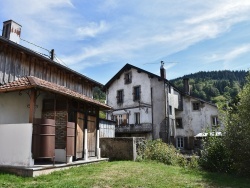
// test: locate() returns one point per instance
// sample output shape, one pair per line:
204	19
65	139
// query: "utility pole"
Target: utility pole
52	54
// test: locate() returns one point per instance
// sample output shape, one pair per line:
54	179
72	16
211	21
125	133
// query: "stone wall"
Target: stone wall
123	148
61	123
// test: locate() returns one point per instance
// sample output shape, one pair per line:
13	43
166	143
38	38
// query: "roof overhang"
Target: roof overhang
37	83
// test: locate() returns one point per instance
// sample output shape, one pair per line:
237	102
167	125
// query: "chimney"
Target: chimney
12	31
162	70
186	85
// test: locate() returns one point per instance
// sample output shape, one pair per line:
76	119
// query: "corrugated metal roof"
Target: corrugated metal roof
206	134
34	82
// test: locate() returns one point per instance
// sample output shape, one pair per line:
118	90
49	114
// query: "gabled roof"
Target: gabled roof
31	52
129	66
34	82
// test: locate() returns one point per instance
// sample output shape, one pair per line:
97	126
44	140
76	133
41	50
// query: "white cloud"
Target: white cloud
222	10
137	30
92	29
230	55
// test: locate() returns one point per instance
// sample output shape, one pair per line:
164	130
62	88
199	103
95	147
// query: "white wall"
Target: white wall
141	79
195	121
15	144
14	107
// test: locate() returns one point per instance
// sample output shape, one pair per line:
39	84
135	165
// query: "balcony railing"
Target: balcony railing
133	128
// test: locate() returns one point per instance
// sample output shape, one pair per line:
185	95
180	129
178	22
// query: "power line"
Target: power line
35	45
60	60
42	54
49	56
158	63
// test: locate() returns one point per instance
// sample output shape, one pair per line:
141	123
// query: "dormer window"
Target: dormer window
127	77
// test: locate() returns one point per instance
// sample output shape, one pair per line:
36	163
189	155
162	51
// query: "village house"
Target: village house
147	105
47	111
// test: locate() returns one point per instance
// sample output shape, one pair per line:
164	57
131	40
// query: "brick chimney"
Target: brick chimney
186	85
12	31
162	70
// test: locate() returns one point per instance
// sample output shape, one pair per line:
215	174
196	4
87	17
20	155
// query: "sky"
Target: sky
98	37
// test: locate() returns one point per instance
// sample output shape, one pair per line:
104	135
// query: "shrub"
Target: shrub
215	157
161	152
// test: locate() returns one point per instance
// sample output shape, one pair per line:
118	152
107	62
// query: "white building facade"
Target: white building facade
148	105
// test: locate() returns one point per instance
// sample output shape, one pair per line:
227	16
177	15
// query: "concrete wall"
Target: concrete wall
124	148
159	108
15	144
14	107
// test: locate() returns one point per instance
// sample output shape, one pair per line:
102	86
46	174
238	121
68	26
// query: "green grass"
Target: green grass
126	174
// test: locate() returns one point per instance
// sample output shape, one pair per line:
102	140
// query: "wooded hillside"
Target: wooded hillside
215	86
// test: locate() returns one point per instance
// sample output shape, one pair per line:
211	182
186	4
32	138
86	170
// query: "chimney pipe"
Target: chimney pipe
12	31
162	70
186	85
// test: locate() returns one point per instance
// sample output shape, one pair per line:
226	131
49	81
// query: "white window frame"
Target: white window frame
180	142
215	121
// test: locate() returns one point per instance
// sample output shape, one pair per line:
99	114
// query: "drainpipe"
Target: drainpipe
166	105
152	112
168	119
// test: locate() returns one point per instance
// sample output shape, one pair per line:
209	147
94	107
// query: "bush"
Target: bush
161	152
215	157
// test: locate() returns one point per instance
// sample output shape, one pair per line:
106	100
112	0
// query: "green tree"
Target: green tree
238	130
231	153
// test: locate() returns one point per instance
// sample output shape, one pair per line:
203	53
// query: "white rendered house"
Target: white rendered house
148	105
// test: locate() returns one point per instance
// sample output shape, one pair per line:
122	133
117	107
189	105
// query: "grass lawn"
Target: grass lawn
126	174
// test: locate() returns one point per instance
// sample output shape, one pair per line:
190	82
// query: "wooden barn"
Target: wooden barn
47	111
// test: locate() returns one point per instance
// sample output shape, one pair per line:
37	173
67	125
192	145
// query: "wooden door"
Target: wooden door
91	136
80	135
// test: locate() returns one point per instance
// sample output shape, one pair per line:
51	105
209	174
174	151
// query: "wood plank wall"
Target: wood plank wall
15	64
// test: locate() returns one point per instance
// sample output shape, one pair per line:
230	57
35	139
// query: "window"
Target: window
170	110
121	119
196	106
119	96
128	78
215	121
137	118
180	142
169	88
137	93
178	122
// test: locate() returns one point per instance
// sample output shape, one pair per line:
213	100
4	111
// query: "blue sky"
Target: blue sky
98	37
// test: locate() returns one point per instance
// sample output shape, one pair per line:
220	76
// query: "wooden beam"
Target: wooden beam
32	105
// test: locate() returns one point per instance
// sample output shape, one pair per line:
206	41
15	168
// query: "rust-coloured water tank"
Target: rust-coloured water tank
70	147
43	144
